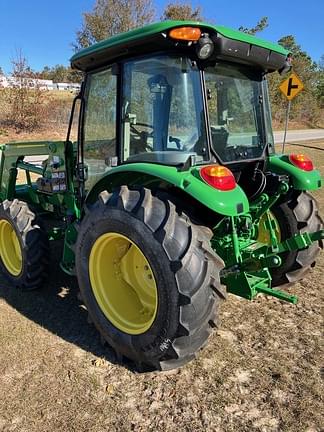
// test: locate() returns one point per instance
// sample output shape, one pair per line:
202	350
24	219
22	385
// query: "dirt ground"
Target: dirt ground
262	371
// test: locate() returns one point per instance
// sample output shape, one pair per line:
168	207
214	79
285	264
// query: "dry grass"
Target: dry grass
57	133
260	372
51	119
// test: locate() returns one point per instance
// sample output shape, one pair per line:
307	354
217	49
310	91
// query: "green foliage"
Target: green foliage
182	12
110	17
305	107
25	101
60	73
320	83
261	25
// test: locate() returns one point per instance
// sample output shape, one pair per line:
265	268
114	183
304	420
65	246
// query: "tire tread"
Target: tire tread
195	266
34	241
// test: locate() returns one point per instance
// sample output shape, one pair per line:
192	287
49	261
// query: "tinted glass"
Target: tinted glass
100	124
235	107
163	114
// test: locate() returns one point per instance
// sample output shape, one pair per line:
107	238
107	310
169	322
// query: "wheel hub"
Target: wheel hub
263	230
10	249
123	283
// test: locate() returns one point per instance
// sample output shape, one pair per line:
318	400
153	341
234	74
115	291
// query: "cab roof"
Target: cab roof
148	38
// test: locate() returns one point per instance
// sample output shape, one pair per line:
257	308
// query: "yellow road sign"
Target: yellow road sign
291	86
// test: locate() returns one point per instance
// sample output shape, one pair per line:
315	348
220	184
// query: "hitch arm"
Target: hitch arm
297	242
300	241
252	276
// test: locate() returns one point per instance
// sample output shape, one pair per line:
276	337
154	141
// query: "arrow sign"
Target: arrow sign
291	86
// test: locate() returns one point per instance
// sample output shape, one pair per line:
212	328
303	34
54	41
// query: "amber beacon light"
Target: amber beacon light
185	33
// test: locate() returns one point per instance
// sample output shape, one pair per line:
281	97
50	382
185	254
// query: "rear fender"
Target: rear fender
227	203
301	180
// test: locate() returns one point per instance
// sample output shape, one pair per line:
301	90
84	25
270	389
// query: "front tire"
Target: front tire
131	235
24	249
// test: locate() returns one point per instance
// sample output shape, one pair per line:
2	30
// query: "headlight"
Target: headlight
205	47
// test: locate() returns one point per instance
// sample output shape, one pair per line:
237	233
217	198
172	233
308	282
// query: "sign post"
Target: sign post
290	88
286	125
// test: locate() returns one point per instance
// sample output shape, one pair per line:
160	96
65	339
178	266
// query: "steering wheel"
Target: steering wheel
190	143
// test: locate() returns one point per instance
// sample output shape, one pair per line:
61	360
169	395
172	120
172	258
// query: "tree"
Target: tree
25	98
304	108
303	65
291	45
60	73
320	83
182	12
45	73
260	25
321	62
1	71
110	17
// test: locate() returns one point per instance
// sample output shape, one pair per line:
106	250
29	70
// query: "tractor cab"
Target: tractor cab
173	110
176	93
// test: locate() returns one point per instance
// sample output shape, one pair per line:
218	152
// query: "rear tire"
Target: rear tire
297	216
24	250
184	267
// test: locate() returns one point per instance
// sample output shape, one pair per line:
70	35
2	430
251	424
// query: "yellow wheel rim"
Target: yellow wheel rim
123	283
263	231
10	250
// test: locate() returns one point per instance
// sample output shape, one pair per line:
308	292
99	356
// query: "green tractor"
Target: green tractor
173	194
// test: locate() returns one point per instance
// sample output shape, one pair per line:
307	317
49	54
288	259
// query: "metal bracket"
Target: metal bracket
252	276
249	284
297	242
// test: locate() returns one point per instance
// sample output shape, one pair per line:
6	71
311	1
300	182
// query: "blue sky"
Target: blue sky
44	30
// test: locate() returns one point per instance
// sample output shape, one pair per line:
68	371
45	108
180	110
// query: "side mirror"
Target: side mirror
287	66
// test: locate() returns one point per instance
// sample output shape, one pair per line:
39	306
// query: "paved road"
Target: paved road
299	135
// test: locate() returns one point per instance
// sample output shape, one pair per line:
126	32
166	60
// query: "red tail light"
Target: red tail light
218	177
301	161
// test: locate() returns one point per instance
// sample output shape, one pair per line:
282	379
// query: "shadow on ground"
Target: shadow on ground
56	307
